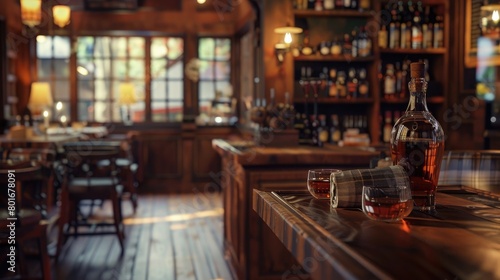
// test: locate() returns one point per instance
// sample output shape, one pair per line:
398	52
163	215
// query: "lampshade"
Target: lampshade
40	97
127	94
288	31
31	12
61	14
490	20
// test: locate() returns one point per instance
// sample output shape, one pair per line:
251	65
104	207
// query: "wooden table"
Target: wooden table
37	141
460	241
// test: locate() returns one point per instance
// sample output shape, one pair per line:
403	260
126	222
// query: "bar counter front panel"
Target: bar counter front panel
461	240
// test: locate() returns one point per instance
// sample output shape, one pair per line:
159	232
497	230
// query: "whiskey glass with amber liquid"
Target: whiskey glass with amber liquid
389	204
318	182
417	142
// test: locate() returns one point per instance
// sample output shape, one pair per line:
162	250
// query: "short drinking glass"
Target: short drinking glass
318	182
389	204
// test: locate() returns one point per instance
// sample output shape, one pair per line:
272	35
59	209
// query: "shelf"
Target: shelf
414	51
430	100
333	58
334	100
330	13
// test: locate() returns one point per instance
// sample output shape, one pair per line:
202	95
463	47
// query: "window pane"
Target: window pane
159	47
136	68
85	47
175	111
206	48
175	90
102	111
222	70
44	68
159	111
138	112
138	86
206	70
61	67
56	116
136	46
85	90
222	49
85	111
43	46
159	90
101	88
61	91
62	47
176	71
175	48
119	68
102	47
119	46
102	68
207	90
158	68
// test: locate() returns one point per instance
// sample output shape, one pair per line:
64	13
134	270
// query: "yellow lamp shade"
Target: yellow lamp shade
127	94
40	97
61	15
31	12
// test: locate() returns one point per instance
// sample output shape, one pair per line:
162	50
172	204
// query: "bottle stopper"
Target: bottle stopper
417	69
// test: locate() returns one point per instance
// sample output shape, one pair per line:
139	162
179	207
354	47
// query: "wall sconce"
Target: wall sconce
490	19
61	14
280	49
31	12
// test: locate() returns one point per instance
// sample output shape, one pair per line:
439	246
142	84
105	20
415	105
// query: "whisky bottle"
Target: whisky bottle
341	85
329	4
382	37
332	92
335	134
306	45
363	85
416	32
389	82
387	127
352	84
322	130
417	142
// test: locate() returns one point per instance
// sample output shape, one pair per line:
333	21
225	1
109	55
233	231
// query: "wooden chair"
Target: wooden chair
28	221
85	180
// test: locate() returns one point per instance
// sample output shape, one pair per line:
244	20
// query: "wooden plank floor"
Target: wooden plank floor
170	237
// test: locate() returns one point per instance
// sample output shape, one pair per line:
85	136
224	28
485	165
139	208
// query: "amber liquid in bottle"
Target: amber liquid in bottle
417	143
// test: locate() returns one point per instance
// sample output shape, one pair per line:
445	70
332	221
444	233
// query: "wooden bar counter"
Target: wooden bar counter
460	241
253	251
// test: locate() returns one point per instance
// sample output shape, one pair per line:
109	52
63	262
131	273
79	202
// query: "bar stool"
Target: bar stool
85	180
28	221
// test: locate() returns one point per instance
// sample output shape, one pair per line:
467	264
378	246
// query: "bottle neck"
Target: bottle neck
418	90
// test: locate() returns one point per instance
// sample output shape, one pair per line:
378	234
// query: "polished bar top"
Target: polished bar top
460	241
248	154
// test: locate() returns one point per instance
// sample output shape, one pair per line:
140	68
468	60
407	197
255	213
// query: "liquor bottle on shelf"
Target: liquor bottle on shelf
364	5
389	82
329	4
352	84
394	30
383	37
364	43
399	78
354	44
347	45
311	4
417	142
341	85
318	5
288	113
427	29
387	127
438	32
324	48
363	85
335	133
315	130
403	36
347	4
322	130
332	91
354	5
306	45
339	4
324	87
336	47
404	79
271	110
416	32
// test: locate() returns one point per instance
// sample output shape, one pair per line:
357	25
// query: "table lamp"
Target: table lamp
40	100
127	98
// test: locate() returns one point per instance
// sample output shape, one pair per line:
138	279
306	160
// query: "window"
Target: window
167	75
53	55
215	71
103	63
